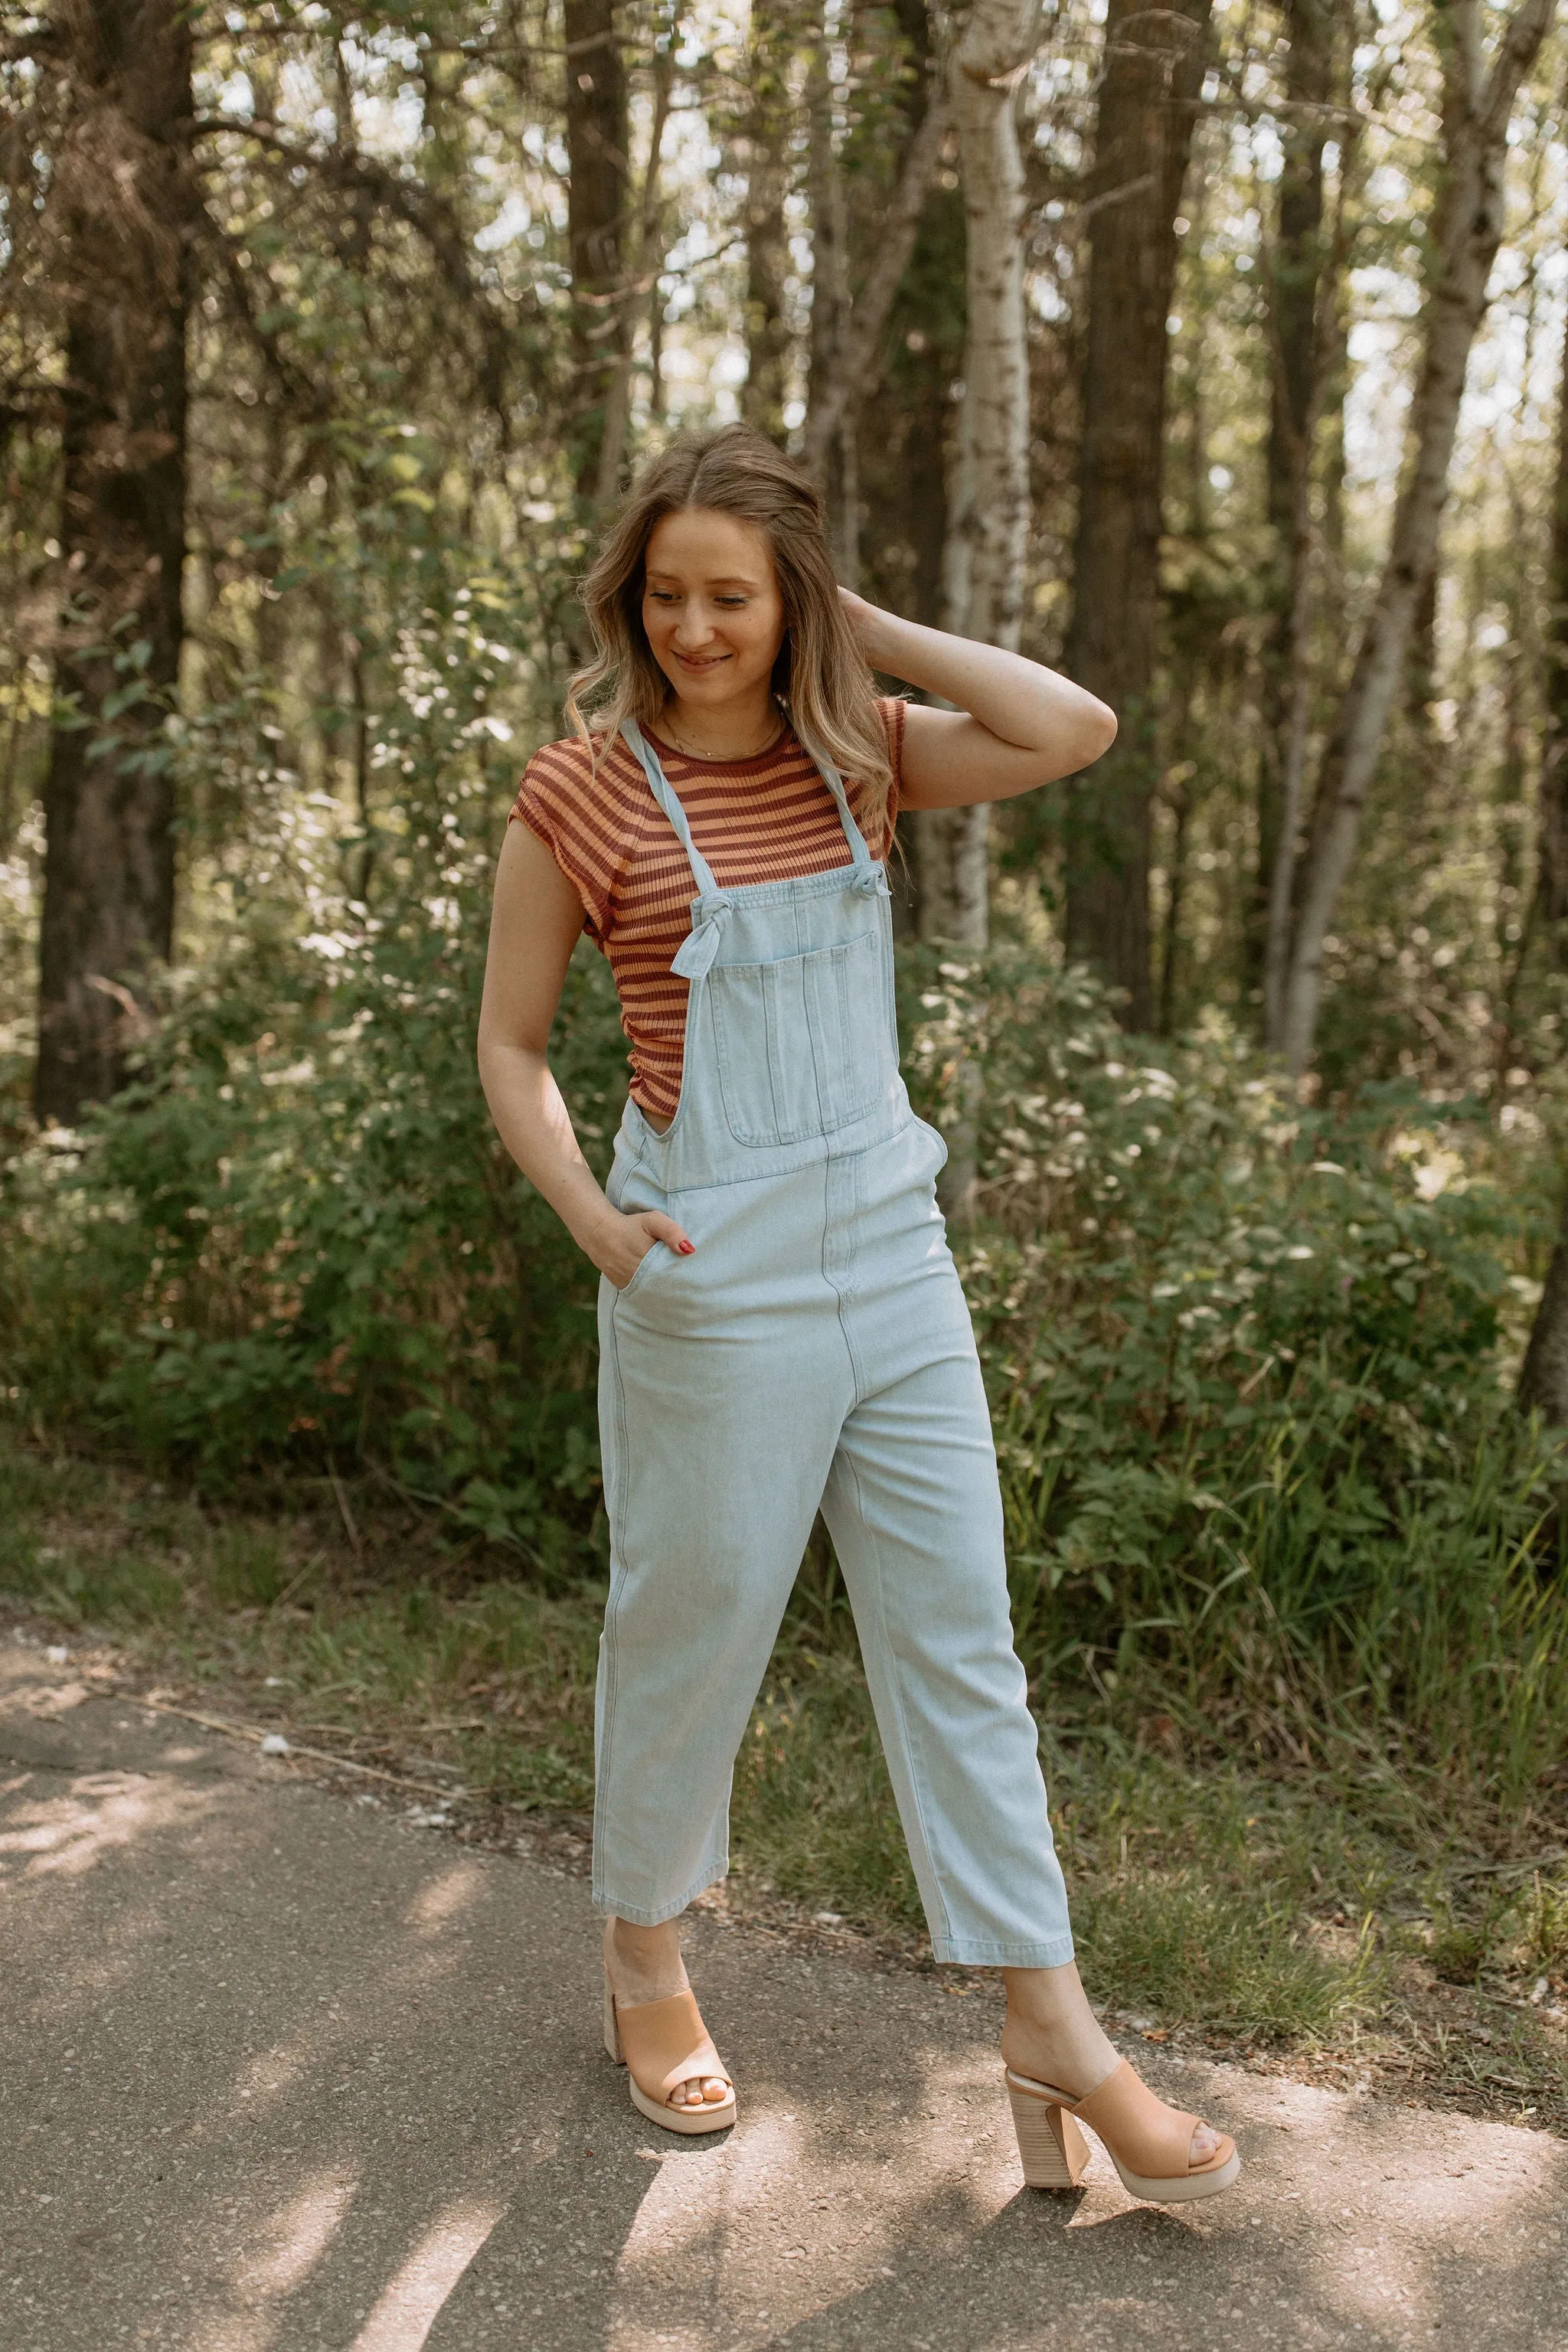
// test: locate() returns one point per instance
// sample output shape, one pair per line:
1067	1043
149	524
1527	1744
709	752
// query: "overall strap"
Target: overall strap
711	908
859	852
668	801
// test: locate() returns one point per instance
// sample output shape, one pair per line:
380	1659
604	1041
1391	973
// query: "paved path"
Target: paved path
281	2071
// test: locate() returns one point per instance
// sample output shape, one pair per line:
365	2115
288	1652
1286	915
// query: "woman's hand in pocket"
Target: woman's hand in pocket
626	1241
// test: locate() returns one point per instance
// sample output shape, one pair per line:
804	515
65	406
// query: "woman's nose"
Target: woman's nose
695	627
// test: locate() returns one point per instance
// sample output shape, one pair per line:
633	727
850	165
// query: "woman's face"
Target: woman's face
711	606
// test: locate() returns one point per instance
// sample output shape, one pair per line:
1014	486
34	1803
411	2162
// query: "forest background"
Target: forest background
1217	353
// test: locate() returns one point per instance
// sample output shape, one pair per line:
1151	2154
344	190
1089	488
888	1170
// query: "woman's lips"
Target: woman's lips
701	661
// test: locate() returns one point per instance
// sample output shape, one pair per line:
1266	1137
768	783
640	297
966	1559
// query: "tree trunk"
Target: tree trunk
988	493
770	123
853	371
1295	272
125	204
1154	74
598	201
1466	230
1552	846
831	311
1310	381
641	280
1543	1375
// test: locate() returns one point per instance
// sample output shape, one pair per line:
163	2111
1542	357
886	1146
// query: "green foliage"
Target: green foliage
1244	1362
295	1239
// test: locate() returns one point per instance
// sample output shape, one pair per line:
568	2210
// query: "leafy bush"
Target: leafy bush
294	1238
1243	1359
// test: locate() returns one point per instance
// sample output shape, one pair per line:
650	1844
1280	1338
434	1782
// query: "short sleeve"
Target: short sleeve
890	710
556	801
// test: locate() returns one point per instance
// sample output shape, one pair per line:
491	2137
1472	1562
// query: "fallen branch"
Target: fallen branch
317	1755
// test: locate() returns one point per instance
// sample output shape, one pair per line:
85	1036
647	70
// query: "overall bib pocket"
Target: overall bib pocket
774	1093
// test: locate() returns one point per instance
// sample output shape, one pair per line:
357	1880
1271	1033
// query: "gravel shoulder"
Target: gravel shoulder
285	2068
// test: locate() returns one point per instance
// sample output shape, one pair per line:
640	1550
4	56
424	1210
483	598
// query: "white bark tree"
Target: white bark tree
1466	230
989	501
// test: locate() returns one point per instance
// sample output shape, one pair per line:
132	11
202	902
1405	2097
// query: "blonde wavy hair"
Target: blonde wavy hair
822	677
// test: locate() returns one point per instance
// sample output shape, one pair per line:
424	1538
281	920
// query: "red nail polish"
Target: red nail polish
688	1249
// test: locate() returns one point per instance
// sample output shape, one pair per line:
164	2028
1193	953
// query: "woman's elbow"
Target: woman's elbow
1098	729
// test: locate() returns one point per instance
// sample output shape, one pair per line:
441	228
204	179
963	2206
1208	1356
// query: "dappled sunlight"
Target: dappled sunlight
103	1813
438	1904
813	2203
289	2247
272	2071
1353	2222
700	2190
298	2236
46	1701
408	2309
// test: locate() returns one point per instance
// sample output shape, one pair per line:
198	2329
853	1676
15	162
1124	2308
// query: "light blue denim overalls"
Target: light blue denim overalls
817	1350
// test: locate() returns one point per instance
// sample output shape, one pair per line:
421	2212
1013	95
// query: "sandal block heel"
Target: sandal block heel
1053	2150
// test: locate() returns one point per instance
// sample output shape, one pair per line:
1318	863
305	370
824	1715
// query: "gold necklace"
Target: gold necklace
773	739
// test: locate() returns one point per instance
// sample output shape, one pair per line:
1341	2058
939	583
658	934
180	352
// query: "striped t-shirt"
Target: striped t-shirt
768	819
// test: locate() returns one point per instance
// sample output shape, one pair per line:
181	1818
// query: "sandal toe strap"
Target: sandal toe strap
1149	2137
666	2043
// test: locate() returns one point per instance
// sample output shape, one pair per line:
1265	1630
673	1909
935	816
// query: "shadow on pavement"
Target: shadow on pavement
286	2070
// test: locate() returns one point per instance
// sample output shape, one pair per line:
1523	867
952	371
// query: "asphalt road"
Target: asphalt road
281	2070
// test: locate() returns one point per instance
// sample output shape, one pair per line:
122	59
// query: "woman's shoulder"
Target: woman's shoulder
579	767
580	797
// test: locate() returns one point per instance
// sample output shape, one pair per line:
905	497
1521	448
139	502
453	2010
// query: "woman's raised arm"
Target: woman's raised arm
1017	724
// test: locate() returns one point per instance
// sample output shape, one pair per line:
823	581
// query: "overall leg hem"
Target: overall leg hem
969	1952
643	1914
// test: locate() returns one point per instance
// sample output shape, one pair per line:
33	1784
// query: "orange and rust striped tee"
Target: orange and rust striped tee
768	819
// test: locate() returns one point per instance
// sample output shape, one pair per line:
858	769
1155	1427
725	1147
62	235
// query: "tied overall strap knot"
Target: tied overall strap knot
700	945
870	882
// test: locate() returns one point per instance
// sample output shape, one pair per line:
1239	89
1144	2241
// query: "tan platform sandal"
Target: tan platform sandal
1149	2143
661	2043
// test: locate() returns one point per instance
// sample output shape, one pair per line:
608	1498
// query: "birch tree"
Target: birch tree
1466	231
988	486
988	503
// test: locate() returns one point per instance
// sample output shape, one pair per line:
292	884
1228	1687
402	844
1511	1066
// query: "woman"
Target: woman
781	1326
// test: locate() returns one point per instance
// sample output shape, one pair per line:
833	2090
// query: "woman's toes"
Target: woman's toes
714	2091
687	2094
1205	2142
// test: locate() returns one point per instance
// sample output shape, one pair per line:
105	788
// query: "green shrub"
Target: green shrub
1244	1364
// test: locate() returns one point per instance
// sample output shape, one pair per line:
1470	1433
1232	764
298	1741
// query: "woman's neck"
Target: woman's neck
726	730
